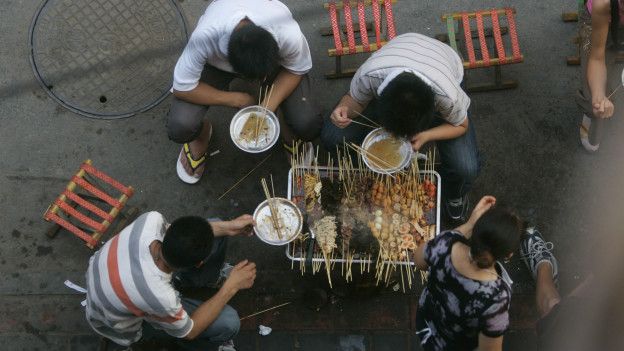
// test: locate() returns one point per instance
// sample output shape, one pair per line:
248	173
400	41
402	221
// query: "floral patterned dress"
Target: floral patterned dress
454	309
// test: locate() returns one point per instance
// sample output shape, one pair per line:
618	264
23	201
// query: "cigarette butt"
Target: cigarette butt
214	153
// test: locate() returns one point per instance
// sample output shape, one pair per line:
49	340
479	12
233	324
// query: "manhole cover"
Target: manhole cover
107	58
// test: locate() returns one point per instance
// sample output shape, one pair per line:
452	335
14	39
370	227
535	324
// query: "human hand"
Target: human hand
242	276
340	116
419	140
482	207
603	107
242	225
240	100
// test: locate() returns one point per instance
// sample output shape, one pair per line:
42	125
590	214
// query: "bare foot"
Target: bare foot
198	147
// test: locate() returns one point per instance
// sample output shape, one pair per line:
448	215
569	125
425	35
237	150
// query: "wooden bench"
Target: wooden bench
383	32
472	44
74	209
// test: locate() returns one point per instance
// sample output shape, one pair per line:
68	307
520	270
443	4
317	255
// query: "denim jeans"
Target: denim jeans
227	324
224	328
460	157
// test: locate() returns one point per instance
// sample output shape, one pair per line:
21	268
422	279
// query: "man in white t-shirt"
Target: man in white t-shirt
130	282
411	87
256	40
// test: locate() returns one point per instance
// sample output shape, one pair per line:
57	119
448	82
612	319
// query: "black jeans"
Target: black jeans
301	113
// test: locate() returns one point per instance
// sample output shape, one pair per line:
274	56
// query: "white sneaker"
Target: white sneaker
227	346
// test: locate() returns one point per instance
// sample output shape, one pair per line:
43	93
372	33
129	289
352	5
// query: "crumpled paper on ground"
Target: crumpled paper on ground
264	330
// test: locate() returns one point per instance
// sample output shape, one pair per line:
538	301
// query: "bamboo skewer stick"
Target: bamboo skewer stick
272	209
244	177
266	310
366	118
363	124
361	150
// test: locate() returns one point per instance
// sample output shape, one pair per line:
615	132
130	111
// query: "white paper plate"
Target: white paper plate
289	215
381	134
266	140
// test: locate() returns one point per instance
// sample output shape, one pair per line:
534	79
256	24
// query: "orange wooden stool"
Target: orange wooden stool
83	218
383	33
463	38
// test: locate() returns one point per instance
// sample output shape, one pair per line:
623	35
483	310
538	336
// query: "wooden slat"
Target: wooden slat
450	26
358	49
366	3
493	62
458	15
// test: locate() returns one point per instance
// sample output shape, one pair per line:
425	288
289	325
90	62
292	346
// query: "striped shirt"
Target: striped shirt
431	60
125	287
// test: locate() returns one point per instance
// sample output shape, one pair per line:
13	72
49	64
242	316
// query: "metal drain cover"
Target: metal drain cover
107	58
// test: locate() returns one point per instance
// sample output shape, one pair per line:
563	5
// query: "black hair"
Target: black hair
614	26
187	242
406	106
495	235
253	52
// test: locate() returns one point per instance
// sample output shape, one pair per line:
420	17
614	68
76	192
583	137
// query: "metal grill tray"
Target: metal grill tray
325	171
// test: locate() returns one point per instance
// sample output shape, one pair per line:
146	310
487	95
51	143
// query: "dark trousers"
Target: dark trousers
460	157
301	113
227	324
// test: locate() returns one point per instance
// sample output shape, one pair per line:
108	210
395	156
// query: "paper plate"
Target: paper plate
289	215
380	134
267	137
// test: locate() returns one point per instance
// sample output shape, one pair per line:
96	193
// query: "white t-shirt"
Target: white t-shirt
209	41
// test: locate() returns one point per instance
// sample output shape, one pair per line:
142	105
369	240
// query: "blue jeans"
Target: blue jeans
224	328
460	157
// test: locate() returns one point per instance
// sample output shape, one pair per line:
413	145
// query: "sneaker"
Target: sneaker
457	209
227	346
534	250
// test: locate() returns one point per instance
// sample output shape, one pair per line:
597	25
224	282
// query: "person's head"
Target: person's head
495	236
406	106
253	52
187	242
614	25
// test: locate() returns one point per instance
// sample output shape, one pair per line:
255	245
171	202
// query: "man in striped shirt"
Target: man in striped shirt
129	281
411	87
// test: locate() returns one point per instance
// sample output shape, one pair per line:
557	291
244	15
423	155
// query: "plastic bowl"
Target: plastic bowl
381	134
266	140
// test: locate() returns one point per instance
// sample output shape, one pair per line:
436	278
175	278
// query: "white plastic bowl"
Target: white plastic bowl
381	134
238	121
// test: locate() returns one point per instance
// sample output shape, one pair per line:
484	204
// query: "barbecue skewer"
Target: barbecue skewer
272	209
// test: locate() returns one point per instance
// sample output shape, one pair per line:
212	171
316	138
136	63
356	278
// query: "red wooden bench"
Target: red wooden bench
383	32
472	44
73	211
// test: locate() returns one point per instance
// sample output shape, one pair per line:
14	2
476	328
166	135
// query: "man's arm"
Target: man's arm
242	225
442	132
241	277
205	94
283	85
347	109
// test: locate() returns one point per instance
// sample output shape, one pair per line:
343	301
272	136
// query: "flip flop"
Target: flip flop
584	134
194	163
